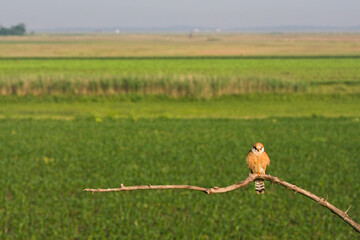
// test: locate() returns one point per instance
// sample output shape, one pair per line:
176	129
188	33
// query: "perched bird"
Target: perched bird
257	160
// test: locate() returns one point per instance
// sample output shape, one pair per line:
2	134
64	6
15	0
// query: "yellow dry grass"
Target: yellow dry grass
137	45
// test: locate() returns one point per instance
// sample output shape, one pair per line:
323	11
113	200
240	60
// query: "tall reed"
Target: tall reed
184	85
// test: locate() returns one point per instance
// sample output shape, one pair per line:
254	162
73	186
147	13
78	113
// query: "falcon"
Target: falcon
257	160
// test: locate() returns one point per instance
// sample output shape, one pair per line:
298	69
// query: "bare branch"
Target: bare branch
323	202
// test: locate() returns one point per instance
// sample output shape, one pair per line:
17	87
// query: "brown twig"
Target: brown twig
343	215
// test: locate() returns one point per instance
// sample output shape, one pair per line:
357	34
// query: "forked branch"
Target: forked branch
343	215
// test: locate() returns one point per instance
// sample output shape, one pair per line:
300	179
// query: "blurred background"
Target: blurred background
93	95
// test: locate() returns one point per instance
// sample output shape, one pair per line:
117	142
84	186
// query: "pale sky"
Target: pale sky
47	14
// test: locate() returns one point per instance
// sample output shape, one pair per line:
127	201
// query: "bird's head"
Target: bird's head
257	148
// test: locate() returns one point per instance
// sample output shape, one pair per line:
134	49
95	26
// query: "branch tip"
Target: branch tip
347	210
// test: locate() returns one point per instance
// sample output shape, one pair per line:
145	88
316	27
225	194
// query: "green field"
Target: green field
179	77
144	107
95	111
46	163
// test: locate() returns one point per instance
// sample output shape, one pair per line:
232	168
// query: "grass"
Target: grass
196	77
181	45
46	163
137	107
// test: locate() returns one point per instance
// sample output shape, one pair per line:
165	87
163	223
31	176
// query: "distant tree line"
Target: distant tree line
18	29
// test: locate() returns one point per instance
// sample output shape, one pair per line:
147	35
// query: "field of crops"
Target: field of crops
46	163
179	77
156	109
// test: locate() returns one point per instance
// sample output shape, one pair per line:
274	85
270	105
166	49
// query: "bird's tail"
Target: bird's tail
260	186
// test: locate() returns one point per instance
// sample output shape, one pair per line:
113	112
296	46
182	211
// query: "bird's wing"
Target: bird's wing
251	160
265	160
